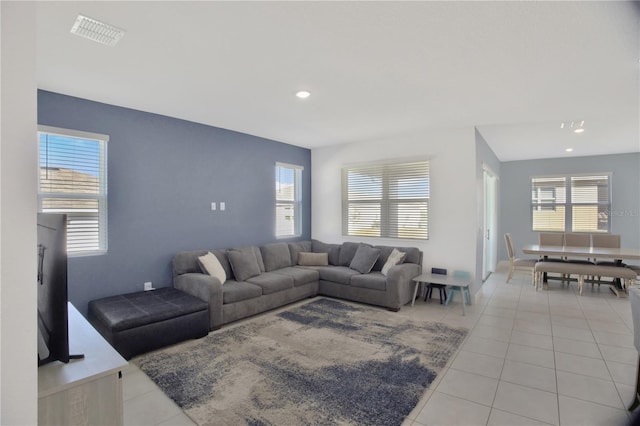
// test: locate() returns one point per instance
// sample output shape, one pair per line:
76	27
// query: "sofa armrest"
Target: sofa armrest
400	282
204	287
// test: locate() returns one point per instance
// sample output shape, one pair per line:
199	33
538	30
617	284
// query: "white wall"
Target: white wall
452	207
18	192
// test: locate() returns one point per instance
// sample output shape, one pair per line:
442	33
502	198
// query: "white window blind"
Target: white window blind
386	200
288	200
579	203
590	203
73	180
548	203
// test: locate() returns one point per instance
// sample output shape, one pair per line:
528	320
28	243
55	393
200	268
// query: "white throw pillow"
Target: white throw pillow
212	266
395	258
313	259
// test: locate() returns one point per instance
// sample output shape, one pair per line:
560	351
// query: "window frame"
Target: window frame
388	201
296	203
569	204
101	197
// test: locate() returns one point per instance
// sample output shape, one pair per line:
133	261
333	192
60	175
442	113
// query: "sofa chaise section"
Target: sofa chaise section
391	291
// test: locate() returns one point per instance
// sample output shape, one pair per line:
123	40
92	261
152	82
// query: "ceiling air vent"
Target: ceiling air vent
97	31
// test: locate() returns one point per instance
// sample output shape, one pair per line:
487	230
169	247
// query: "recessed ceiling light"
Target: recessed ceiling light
96	31
303	94
578	130
569	149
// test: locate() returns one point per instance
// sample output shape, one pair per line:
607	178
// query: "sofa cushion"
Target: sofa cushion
313	259
275	256
364	259
333	250
395	258
336	274
372	280
187	262
297	247
237	291
347	251
413	255
258	253
210	264
385	251
301	276
221	254
244	263
271	282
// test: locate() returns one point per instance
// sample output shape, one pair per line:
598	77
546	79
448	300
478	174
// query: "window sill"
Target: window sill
87	253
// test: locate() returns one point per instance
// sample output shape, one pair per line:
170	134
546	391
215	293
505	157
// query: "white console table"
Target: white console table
85	391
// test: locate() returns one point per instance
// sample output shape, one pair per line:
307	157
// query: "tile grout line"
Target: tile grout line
606	364
504	360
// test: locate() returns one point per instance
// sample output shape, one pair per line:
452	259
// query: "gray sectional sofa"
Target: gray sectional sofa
266	277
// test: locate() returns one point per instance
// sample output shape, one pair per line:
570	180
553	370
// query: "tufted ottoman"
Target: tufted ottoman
139	322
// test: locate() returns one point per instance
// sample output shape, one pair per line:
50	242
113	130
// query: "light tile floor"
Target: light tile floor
532	358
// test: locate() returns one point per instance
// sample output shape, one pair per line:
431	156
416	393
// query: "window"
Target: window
386	200
578	203
73	180
288	200
548	201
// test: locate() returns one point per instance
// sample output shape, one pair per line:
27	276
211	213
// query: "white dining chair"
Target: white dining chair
605	241
551	239
516	264
578	240
555	239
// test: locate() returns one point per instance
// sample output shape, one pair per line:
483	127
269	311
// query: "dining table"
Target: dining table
617	255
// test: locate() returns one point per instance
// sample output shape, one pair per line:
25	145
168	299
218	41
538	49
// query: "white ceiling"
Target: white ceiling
515	70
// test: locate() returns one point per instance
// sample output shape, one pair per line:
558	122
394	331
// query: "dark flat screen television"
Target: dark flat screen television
53	326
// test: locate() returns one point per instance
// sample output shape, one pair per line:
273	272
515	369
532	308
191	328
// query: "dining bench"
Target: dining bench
626	275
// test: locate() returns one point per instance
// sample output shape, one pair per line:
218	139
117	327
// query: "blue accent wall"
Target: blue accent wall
515	194
163	174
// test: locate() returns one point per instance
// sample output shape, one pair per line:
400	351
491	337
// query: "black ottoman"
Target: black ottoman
139	322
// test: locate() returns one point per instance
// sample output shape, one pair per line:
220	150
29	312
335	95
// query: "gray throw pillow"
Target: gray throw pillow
364	258
297	247
347	252
244	263
333	250
275	256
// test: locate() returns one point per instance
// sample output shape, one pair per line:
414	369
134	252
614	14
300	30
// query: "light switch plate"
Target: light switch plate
213	205
223	205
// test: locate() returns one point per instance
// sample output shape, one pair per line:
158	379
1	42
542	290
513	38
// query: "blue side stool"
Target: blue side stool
454	290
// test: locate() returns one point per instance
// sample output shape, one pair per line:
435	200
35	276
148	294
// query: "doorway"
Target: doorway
490	226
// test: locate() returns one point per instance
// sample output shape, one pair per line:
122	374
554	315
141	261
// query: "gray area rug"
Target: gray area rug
322	363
